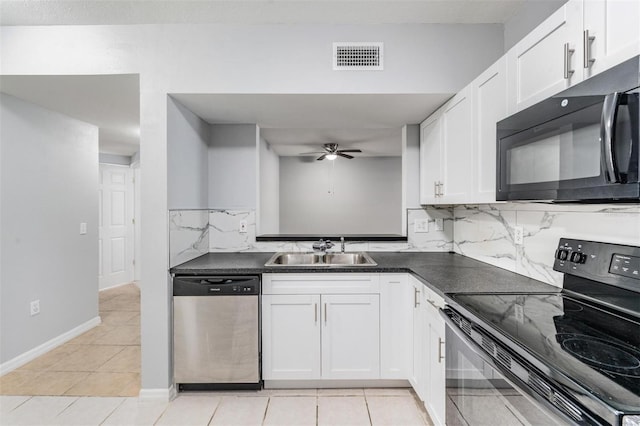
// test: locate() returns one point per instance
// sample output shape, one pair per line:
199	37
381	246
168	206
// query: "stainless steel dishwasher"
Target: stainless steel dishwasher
216	332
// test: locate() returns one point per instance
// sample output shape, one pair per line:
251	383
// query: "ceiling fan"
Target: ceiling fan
331	152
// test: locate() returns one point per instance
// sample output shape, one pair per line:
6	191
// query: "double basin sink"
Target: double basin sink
320	259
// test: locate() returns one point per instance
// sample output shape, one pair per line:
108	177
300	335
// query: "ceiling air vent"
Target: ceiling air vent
358	56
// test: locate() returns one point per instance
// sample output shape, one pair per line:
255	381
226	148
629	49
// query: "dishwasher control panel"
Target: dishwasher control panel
216	285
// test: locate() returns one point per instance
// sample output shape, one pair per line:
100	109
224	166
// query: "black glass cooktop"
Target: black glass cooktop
595	347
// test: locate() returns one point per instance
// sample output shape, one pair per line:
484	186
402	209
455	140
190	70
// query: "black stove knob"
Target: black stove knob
578	257
562	254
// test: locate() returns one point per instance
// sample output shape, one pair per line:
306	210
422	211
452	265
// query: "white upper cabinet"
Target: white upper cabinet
490	106
611	33
548	60
446	141
430	158
457	131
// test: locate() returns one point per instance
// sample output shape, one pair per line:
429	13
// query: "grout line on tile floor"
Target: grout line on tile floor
366	402
266	410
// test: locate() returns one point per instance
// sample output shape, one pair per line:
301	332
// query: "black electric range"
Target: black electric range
580	346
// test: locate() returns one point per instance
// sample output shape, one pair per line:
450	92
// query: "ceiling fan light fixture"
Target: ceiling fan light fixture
331	156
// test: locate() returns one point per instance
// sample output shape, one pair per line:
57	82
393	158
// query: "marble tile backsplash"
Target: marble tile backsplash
188	235
485	233
194	232
482	232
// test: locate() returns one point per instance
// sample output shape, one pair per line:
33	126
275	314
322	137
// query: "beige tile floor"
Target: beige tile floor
94	380
104	361
353	407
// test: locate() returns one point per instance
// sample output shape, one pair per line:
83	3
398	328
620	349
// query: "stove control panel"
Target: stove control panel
614	264
627	266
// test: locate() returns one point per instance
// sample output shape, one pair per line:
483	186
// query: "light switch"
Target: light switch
440	224
83	228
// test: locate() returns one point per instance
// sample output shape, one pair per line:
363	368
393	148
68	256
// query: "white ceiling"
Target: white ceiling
111	102
296	123
103	12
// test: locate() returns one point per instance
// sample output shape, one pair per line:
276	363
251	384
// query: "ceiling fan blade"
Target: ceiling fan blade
321	157
349	150
312	153
344	155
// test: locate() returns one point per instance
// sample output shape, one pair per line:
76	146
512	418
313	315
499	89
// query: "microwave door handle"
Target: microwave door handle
607	129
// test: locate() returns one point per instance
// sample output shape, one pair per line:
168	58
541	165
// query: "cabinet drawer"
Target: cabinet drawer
316	283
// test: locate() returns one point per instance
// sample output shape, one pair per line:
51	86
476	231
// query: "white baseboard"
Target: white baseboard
323	384
158	395
32	354
118	285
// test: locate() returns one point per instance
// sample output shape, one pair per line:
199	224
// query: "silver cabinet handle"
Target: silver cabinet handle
325	313
415	298
315	310
432	303
435	188
607	127
440	343
441	189
586	41
568	72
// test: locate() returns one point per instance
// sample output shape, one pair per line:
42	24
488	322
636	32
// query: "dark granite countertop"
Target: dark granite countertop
445	273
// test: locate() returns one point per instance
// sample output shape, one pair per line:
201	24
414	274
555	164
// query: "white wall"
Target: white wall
233	59
232	166
49	185
359	196
412	164
530	15
187	156
269	190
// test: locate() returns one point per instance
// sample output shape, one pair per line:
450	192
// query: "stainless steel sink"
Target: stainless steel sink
320	260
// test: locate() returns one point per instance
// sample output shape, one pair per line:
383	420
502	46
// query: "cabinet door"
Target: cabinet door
436	392
290	337
430	159
615	26
396	320
490	106
536	65
418	365
458	138
351	336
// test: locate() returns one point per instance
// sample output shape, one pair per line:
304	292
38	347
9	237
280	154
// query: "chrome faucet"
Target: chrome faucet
322	246
342	244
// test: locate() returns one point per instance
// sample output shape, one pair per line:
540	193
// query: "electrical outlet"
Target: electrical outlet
440	224
518	235
35	307
243	226
421	225
83	228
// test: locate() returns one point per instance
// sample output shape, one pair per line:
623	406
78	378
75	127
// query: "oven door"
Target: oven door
481	391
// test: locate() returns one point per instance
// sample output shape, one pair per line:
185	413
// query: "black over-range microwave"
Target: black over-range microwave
580	145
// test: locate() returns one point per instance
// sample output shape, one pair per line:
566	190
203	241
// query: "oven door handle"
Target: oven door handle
472	344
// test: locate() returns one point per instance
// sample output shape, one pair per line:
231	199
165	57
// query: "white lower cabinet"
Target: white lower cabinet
350	336
435	357
319	336
355	327
396	326
291	336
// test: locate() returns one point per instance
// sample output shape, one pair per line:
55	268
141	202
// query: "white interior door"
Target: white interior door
115	235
